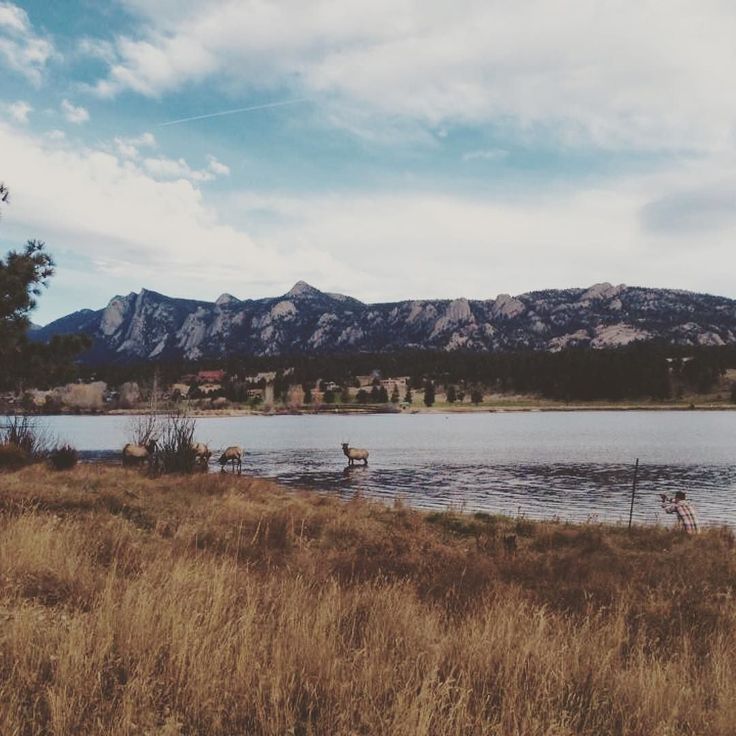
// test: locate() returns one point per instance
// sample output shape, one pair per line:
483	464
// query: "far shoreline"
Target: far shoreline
444	409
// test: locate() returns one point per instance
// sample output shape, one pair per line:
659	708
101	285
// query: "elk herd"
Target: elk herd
145	455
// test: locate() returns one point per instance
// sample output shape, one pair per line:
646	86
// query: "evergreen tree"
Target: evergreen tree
22	277
362	396
476	395
408	397
345	397
451	394
383	395
308	398
395	395
280	387
428	393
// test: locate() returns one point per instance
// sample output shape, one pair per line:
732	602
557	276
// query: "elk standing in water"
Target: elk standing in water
232	455
202	454
353	454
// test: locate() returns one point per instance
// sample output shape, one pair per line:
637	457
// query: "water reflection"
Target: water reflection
574	491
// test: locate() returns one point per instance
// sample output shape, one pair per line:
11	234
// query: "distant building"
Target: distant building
217	376
209	388
264	376
400	383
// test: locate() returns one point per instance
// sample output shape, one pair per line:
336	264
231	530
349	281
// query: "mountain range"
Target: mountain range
149	326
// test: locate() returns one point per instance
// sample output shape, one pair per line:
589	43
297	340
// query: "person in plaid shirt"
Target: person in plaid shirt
686	517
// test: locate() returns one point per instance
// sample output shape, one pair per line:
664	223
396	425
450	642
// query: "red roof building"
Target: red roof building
211	376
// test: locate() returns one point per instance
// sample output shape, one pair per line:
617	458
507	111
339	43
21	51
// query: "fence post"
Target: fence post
633	492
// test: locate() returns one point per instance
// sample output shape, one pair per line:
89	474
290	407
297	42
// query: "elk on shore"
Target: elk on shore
354	453
232	455
138	454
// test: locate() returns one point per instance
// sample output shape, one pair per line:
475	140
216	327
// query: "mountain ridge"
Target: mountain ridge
148	325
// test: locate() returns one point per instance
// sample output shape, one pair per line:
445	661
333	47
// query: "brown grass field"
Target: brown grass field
226	605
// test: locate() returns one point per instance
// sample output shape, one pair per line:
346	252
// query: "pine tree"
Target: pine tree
451	394
395	395
429	393
22	276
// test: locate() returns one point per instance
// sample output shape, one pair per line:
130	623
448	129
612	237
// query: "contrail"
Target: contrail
233	112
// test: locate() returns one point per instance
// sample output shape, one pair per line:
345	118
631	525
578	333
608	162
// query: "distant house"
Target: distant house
400	383
209	388
217	376
265	376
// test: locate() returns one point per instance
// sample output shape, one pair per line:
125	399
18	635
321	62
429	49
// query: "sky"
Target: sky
384	149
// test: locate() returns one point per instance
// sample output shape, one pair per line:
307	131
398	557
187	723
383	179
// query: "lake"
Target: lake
571	465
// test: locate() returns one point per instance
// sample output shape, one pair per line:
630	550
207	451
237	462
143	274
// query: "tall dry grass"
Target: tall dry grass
221	605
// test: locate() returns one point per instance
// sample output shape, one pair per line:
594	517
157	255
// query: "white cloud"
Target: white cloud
145	223
170	168
56	135
647	75
425	244
163	168
74	114
217	167
13	18
485	154
19	111
135	229
96	48
24	51
129	147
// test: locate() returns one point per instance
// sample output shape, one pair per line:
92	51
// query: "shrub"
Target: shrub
143	428
175	452
13	457
64	457
24	432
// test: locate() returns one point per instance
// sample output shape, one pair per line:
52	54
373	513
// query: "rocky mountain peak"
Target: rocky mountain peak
302	289
226	299
148	325
602	291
